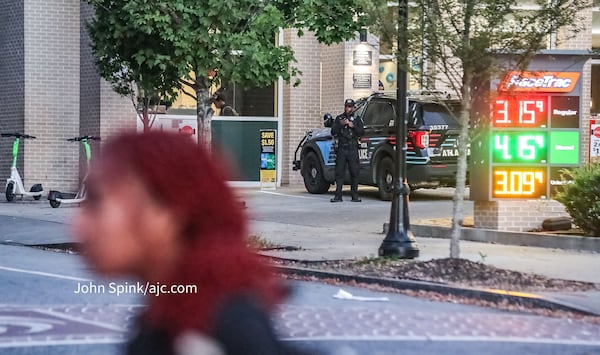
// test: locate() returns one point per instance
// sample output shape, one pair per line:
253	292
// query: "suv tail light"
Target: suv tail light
421	138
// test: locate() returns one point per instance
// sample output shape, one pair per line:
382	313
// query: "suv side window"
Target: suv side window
378	113
438	115
414	115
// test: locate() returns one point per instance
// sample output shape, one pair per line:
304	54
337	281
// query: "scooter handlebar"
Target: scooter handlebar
78	139
17	135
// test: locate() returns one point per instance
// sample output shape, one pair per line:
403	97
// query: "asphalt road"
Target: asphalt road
42	313
424	204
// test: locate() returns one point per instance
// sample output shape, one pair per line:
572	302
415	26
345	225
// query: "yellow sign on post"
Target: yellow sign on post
268	159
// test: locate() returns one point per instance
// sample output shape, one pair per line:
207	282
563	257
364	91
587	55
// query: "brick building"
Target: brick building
49	89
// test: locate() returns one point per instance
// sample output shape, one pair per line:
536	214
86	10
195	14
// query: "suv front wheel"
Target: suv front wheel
312	172
385	178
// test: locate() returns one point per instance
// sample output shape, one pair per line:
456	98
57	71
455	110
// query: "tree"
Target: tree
196	45
119	61
460	42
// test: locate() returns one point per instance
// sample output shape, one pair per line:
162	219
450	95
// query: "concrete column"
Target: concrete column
301	104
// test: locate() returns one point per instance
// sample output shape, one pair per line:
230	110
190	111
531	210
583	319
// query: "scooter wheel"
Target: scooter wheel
37	198
10	191
54	203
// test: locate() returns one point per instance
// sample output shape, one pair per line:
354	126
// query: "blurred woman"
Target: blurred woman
158	208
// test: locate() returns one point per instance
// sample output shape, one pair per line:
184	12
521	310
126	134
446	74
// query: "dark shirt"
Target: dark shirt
344	133
241	328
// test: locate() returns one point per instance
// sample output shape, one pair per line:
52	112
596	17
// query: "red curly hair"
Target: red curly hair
191	181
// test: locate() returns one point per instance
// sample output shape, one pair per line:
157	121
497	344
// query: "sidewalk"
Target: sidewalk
291	217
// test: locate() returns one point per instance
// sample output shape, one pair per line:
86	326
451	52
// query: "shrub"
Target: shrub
582	197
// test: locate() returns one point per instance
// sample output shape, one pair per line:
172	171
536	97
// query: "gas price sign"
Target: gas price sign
519	147
534	126
519	182
516	111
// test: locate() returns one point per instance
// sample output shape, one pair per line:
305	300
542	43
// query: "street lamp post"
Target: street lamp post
399	240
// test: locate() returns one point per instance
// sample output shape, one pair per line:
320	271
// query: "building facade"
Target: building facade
49	89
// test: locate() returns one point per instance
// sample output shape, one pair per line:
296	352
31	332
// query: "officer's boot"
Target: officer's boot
338	193
354	191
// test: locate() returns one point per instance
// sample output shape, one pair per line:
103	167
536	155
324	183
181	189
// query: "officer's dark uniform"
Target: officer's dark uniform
347	151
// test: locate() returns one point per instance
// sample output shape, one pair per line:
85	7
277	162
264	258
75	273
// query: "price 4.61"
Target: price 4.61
517	147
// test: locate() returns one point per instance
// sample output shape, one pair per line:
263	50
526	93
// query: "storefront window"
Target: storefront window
250	101
240	101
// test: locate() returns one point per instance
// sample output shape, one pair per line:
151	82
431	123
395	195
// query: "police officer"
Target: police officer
347	129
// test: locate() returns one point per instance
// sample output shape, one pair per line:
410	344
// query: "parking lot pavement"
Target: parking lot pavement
354	231
318	231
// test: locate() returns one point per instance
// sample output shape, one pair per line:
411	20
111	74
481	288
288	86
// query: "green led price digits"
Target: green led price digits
519	147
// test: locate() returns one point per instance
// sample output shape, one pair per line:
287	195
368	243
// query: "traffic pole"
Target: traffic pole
399	241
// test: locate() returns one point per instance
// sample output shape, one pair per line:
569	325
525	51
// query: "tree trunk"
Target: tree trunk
146	118
458	208
204	117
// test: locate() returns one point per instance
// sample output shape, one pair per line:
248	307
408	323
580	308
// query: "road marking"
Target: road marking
437	338
47	274
81	320
288	195
116	339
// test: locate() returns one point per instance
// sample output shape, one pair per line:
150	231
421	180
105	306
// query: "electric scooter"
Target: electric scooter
14	184
56	198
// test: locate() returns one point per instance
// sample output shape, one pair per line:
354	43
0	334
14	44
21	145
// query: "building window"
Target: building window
251	101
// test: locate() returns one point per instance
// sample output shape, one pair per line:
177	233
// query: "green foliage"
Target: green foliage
464	38
381	21
582	197
166	40
259	243
125	59
167	46
453	35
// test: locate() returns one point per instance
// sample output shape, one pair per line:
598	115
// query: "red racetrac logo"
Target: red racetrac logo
540	81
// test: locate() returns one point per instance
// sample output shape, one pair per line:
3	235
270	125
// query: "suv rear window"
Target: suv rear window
434	114
378	113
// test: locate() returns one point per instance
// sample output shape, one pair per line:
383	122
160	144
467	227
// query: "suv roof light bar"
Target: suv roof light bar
419	95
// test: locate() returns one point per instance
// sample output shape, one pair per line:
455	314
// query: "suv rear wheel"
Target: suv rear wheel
385	178
312	172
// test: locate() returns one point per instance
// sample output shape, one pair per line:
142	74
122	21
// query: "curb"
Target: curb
529	300
527	239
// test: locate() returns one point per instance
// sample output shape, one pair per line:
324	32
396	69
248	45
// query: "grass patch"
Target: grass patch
260	243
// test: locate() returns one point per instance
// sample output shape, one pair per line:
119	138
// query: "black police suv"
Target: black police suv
431	141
